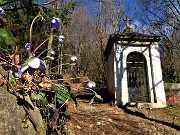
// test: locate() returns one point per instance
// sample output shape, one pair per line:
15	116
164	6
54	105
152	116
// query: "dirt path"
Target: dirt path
103	119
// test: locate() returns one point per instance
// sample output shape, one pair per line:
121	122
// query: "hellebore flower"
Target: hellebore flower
31	65
1	11
91	101
61	39
55	23
28	46
91	84
73	58
96	98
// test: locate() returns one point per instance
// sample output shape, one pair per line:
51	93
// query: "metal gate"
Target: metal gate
137	78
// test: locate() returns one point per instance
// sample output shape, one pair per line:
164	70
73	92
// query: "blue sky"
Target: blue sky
131	8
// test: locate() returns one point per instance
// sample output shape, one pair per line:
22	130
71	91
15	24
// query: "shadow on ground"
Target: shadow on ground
107	99
141	115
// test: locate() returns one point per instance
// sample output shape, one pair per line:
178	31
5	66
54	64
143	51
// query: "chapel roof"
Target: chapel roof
129	35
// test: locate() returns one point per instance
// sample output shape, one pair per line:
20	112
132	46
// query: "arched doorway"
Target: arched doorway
137	78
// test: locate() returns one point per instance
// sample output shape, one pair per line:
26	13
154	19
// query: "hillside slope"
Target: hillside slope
103	119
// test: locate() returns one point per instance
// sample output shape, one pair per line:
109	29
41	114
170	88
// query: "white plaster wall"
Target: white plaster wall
158	82
120	82
122	92
120	73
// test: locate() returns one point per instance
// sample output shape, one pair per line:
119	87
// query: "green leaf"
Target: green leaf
54	87
62	93
61	97
60	101
12	79
97	97
35	96
39	97
6	37
52	106
44	101
64	96
77	105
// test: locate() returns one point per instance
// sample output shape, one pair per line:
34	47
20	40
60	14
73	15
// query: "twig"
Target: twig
91	90
54	118
8	62
30	34
70	79
39	46
64	103
42	52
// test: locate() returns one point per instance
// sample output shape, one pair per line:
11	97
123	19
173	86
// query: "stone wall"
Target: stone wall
172	93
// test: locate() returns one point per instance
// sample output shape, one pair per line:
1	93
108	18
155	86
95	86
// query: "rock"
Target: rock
110	120
91	125
98	123
12	116
78	127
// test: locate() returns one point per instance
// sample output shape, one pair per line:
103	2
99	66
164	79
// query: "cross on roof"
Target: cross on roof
127	20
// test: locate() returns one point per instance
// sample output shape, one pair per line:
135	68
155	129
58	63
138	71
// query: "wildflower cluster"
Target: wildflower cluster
50	97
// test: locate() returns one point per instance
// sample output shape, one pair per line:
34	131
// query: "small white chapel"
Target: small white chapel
134	73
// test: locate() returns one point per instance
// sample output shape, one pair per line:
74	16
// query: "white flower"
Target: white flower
61	39
91	84
31	65
73	58
35	63
52	52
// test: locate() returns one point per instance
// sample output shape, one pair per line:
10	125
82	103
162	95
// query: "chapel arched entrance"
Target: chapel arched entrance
137	77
